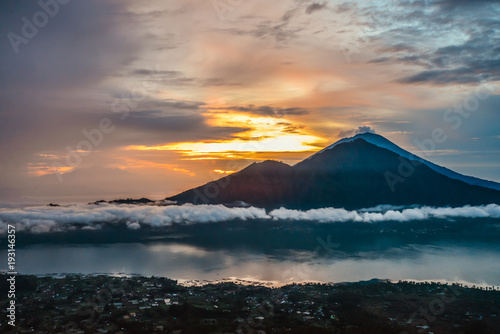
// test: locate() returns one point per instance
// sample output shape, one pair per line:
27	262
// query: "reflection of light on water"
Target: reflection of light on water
177	249
250	280
189	264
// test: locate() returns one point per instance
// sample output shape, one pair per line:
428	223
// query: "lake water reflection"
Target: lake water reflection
462	250
476	264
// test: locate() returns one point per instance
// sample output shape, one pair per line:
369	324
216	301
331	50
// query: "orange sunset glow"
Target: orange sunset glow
188	91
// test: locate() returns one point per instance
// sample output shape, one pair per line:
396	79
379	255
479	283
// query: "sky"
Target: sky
103	99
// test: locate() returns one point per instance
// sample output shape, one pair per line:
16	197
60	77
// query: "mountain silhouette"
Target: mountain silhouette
358	172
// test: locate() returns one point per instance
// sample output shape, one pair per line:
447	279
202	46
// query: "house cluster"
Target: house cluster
133	304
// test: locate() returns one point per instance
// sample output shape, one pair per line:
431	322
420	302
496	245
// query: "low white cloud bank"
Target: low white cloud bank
45	219
328	215
89	217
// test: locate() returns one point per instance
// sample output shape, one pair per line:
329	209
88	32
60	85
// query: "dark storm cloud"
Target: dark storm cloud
64	79
42	85
269	111
400	47
157	122
381	60
287	28
289	14
280	32
177	104
216	82
164	77
290	128
453	42
58	131
463	75
315	7
470	62
155	127
345	7
409	60
460	4
79	45
177	78
152	72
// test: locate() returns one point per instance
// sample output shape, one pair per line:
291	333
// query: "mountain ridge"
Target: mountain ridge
352	173
383	142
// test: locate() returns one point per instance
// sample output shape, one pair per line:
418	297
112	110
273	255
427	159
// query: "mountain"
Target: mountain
358	172
384	143
265	184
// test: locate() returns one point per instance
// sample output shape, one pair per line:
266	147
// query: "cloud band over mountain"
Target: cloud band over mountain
54	219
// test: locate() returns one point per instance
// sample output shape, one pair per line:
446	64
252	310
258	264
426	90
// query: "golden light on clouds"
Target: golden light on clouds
284	143
265	134
140	164
224	172
45	169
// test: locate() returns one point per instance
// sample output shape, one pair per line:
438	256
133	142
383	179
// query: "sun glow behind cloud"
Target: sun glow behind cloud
141	164
265	134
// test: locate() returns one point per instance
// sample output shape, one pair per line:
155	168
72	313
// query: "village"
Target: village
135	304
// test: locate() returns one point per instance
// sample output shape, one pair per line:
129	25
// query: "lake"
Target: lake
459	251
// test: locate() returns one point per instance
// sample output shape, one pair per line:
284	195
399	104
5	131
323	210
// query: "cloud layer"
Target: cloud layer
53	219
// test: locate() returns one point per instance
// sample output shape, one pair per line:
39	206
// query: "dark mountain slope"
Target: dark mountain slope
358	174
352	174
265	184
